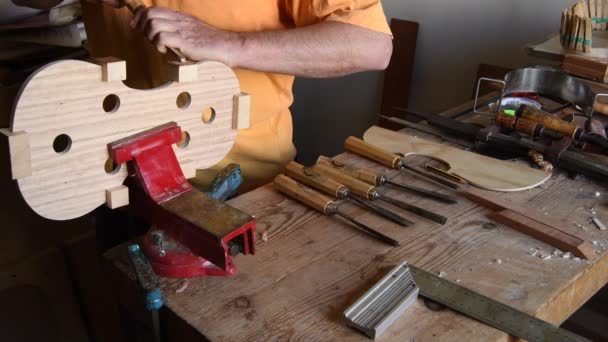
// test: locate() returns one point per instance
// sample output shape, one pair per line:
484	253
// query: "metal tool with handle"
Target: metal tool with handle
333	188
371	193
135	6
375	178
322	204
487	310
362	148
149	284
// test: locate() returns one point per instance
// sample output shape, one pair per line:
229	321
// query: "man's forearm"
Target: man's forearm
327	49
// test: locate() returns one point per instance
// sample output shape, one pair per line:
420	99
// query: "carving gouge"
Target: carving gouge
360	147
331	187
323	204
377	179
135	6
370	192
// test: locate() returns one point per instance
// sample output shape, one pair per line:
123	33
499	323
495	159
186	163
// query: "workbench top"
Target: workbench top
312	267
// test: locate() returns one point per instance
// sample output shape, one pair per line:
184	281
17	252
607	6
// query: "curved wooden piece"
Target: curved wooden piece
66	98
481	171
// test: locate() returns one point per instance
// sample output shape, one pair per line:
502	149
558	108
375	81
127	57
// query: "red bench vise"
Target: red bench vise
192	234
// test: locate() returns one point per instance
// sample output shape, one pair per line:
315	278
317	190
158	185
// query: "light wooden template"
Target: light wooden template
86	106
481	171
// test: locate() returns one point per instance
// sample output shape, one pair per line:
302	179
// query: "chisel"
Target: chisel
135	6
334	188
323	204
377	179
371	193
360	147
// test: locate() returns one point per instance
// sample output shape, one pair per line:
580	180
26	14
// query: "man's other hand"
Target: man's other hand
193	37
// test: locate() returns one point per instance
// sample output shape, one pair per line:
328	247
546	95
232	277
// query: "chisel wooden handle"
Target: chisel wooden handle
372	152
549	121
356	186
135	6
365	175
316	180
601	108
305	195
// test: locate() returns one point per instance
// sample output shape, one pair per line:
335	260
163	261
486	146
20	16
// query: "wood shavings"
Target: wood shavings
497	261
578	225
557	253
183	286
540	161
597	194
442	274
545	257
599	224
265	236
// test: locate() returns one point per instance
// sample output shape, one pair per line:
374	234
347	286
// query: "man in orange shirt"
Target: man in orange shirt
266	43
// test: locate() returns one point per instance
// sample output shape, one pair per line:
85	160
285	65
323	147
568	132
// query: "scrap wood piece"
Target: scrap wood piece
481	171
595	69
533	223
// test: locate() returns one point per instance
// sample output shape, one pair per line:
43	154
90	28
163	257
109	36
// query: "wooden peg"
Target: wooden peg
188	168
19	151
182	72
241	111
588	36
112	69
117	197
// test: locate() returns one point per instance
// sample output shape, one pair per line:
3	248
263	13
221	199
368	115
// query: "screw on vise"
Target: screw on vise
158	240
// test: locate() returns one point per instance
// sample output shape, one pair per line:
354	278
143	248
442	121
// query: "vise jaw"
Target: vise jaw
192	233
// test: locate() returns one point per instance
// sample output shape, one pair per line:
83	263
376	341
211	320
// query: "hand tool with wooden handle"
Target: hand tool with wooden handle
375	178
135	6
553	123
371	193
331	187
362	148
323	204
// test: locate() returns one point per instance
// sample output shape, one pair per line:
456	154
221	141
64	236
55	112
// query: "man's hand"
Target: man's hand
193	37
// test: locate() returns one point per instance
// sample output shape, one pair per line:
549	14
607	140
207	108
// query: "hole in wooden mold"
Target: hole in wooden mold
111	103
183	100
111	167
62	143
185	140
208	115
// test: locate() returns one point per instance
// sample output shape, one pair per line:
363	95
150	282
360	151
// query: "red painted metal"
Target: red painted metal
155	163
196	229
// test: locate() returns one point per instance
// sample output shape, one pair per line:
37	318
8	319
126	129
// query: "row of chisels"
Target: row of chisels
313	185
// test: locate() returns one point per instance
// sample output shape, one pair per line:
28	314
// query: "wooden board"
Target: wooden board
313	267
484	172
590	68
552	48
67	98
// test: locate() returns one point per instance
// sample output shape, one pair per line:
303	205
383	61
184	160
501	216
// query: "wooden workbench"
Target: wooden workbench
313	267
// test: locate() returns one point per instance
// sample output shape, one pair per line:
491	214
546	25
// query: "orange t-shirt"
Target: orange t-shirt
264	148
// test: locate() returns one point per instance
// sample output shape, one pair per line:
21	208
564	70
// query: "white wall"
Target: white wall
455	37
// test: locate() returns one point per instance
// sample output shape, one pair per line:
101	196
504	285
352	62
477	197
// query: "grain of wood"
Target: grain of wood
484	172
66	185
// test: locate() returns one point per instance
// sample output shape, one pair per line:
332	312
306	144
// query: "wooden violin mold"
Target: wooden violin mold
68	111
